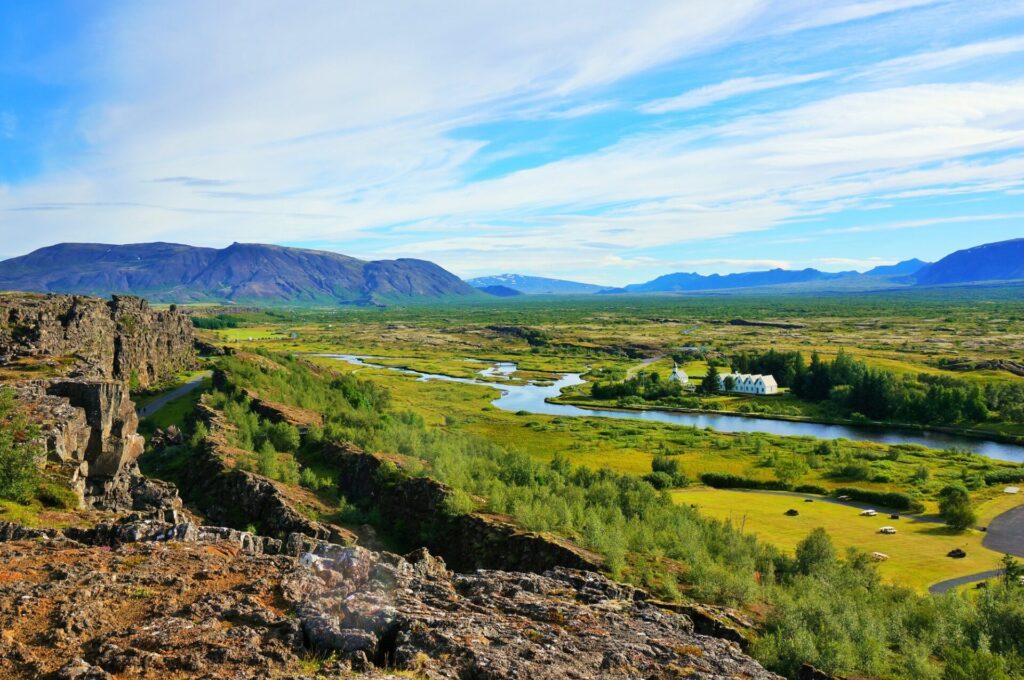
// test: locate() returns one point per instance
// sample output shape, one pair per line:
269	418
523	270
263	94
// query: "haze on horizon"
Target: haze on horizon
602	142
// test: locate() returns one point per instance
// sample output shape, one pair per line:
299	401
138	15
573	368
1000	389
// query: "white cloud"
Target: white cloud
860	264
952	56
328	122
829	13
711	94
927	222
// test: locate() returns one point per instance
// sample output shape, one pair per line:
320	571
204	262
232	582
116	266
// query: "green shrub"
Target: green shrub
458	503
313	481
57	496
811	488
1011	476
283	436
659	480
266	461
20	453
288	471
724	480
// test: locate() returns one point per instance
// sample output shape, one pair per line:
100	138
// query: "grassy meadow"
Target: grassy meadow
547	337
917	552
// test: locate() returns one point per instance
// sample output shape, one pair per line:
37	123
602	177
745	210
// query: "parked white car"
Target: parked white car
887	530
868	513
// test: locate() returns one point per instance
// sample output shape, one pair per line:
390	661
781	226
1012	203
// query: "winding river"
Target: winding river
532	398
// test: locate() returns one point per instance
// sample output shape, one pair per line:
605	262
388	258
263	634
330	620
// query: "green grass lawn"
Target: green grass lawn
917	553
250	333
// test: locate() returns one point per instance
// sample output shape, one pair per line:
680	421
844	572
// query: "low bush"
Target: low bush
886	499
20	452
723	480
1010	476
56	496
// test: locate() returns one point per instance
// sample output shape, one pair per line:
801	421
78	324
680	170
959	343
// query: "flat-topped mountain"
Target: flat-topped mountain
242	272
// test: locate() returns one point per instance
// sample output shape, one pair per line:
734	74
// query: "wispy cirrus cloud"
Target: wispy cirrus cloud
540	135
712	94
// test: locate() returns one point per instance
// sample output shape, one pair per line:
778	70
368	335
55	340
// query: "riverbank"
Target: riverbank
973	433
548	399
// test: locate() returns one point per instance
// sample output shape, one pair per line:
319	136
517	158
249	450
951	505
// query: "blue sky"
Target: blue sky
605	142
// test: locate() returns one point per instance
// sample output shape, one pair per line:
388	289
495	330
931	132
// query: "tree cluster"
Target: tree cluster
850	387
646	385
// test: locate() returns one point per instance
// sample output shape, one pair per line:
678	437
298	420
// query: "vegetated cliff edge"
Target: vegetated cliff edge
149	592
70	360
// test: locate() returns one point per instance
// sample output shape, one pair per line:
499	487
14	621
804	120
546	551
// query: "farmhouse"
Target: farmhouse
744	383
679	375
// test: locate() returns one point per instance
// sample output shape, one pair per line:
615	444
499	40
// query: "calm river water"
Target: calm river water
533	399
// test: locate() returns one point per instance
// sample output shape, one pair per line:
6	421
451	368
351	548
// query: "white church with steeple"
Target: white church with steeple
679	375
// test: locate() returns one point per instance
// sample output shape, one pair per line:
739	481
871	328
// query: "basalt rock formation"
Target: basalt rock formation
474	540
190	603
93	349
121	339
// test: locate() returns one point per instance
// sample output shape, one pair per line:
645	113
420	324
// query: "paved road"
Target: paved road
1006	533
164	399
945	586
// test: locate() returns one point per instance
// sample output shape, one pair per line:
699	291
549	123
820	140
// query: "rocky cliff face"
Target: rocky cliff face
97	348
467	541
122	339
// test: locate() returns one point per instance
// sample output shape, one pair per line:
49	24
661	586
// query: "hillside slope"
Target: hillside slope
1000	261
242	272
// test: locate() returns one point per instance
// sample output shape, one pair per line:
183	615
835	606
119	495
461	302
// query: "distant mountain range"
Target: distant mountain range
262	274
993	262
242	272
793	280
535	285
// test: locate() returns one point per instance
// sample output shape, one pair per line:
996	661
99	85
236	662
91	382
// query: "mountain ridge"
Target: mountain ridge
535	285
241	272
999	261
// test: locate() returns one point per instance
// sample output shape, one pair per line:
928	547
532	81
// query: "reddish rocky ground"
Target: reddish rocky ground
208	610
